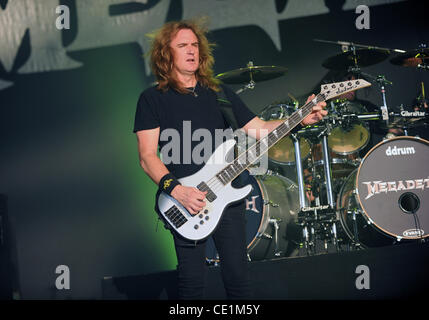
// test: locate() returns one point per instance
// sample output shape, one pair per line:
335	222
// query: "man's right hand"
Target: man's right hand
191	198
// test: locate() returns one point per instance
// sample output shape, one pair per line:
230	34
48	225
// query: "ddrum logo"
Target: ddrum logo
395	151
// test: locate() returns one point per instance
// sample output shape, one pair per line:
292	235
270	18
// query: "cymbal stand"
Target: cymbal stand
404	127
327	165
251	84
384	112
319	221
306	223
346	44
382	81
300	175
329	225
423	65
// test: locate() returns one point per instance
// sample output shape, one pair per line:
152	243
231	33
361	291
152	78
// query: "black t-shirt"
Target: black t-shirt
184	114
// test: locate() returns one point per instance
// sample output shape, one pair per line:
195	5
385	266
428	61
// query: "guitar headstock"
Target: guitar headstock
332	90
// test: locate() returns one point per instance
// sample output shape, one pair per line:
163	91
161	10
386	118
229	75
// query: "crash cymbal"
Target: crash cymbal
357	58
255	73
412	58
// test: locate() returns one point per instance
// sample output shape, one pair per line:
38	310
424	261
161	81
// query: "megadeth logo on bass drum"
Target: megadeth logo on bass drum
377	187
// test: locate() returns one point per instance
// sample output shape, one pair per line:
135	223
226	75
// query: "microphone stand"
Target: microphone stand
382	81
384	112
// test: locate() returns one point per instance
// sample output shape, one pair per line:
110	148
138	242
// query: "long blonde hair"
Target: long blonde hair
162	60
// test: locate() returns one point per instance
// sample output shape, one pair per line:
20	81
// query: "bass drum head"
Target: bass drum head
272	197
393	187
353	222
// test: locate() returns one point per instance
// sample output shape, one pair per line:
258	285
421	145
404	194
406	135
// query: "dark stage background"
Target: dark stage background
68	157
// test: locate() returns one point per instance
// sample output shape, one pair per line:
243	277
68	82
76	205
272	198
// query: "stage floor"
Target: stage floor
393	272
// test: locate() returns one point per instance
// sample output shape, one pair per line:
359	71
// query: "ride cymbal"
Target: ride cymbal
356	58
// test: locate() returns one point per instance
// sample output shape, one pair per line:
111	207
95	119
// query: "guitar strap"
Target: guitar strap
225	107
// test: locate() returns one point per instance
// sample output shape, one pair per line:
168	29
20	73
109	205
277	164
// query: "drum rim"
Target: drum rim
291	163
335	161
286	106
265	218
264	221
340	204
364	213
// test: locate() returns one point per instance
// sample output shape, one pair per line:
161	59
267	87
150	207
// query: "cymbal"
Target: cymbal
411	58
255	73
364	58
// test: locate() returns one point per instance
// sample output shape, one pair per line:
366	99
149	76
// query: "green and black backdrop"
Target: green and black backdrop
68	157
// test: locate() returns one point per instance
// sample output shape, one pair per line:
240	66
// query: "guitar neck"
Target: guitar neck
251	155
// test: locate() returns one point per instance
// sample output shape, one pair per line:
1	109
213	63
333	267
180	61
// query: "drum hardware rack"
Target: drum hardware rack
275	224
317	222
339	219
355	243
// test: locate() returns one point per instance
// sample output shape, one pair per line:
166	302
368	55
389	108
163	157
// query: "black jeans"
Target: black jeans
230	242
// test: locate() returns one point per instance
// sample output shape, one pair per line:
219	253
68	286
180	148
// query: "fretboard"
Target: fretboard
251	155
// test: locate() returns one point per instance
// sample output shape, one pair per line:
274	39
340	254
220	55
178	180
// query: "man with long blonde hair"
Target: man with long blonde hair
186	94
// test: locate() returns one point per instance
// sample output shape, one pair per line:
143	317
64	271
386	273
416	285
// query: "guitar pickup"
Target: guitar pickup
176	217
210	196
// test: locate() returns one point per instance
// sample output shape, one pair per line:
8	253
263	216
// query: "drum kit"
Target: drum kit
323	188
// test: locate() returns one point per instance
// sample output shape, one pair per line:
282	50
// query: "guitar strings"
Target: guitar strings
214	184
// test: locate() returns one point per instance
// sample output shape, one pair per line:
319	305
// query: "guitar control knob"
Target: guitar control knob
207	217
206	211
196	227
202	222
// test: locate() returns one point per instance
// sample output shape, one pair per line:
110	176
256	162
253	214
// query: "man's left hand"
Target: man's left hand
316	114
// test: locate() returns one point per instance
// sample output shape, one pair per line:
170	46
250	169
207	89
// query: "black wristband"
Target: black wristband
167	183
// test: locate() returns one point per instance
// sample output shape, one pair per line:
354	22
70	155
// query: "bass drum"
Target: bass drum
271	212
386	200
